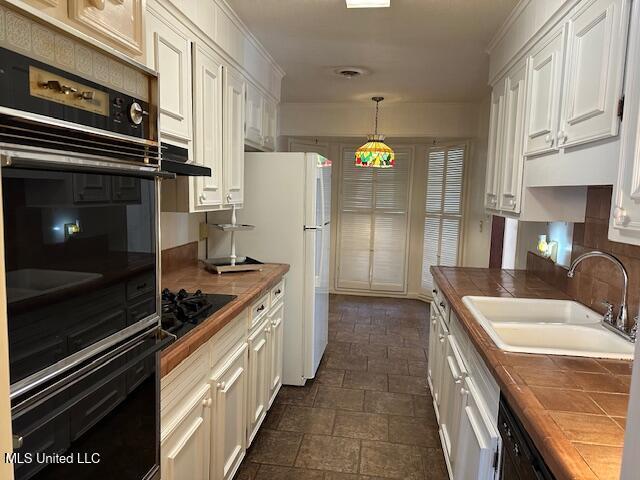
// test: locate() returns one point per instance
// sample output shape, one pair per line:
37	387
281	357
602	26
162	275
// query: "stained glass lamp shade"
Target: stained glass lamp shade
375	153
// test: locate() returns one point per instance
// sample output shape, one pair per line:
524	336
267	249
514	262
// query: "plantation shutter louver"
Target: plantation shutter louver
373	225
443	209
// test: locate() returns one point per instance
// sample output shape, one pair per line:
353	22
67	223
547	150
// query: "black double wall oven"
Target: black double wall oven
80	182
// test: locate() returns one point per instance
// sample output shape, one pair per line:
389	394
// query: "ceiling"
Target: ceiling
417	50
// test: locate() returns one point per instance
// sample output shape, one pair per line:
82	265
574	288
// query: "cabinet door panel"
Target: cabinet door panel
234	126
254	113
208	75
229	415
543	94
258	378
496	141
595	66
513	161
185	452
169	52
270	122
625	218
276	352
477	438
453	374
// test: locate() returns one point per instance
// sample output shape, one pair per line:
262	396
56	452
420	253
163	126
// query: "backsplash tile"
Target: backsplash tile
596	279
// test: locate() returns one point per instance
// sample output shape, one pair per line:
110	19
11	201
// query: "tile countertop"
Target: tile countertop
573	408
248	286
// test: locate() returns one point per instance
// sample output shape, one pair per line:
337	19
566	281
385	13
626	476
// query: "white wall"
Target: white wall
180	228
458	120
477	241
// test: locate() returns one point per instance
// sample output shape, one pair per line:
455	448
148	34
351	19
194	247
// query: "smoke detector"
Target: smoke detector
351	72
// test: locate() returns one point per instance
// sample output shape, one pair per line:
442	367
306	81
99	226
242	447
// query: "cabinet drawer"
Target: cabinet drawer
277	292
228	338
259	310
141	285
441	302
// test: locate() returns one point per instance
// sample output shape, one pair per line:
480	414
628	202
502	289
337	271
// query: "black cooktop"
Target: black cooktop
183	311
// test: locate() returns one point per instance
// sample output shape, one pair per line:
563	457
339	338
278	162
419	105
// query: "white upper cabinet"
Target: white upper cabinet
625	216
544	101
233	126
208	84
261	114
494	154
269	124
594	71
513	160
169	52
254	114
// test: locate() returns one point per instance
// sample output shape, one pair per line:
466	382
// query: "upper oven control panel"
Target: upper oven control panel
68	80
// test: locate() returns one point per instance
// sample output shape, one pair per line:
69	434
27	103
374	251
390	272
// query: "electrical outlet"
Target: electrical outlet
204	231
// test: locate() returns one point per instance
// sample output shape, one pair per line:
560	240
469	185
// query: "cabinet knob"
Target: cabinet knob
441	338
562	136
202	197
620	216
229	197
221	385
442	304
206	403
464	391
268	329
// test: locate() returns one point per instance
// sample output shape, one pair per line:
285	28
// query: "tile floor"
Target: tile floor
367	414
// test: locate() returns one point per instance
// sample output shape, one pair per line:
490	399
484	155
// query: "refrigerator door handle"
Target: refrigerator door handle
315	227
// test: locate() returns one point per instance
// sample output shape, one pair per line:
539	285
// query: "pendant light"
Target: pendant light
375	153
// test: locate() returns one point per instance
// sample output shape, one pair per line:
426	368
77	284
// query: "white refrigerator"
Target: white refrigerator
287	196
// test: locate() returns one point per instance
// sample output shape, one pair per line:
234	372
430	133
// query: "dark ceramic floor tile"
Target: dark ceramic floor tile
329	453
396	366
409	353
340	398
271	472
413	431
408	384
366	381
417	368
369	351
388	403
391	460
328	376
434	465
352	337
307	420
297	395
366	426
247	471
368	328
386	339
275	447
423	407
346	362
274	415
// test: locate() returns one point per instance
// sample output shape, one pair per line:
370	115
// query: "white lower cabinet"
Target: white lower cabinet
478	438
213	402
465	399
229	415
276	353
259	377
186	448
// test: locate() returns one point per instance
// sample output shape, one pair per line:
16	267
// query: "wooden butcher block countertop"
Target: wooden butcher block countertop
182	270
573	408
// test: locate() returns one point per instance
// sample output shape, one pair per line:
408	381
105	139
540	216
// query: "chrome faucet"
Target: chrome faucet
620	323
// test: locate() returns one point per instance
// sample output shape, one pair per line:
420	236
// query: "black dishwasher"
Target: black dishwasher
520	458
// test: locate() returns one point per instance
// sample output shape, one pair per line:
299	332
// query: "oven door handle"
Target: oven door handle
164	338
79	166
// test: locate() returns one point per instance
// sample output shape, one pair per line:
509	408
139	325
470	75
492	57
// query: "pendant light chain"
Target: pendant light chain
377	106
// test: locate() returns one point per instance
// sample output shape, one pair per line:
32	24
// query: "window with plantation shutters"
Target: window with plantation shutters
443	209
372	235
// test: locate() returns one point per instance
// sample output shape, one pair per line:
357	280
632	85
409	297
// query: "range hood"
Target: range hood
174	160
